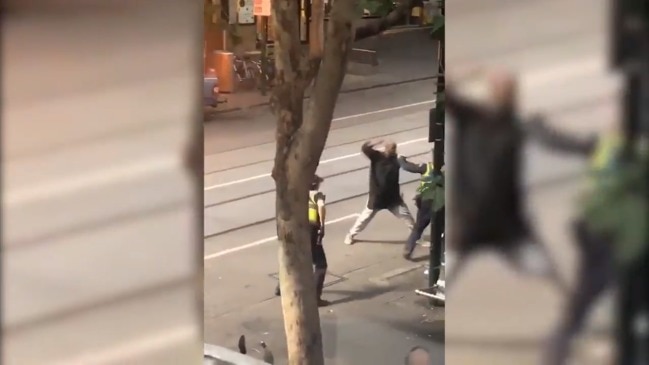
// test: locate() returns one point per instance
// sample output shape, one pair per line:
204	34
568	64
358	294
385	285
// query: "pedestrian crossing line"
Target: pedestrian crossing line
266	240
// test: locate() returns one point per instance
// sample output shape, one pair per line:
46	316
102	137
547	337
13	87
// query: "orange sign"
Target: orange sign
261	8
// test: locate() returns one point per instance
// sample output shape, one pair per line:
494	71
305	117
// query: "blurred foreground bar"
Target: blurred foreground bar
558	49
99	235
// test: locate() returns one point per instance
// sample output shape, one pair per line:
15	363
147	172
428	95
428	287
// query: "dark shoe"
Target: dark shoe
407	256
323	303
277	292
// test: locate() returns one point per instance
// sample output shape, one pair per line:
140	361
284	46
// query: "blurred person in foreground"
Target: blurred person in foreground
317	215
488	203
429	200
418	356
384	188
604	225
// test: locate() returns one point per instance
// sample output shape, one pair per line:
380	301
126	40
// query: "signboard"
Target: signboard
245	12
262	7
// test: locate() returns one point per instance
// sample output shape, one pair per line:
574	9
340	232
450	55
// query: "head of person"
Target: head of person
316	182
502	89
390	149
418	356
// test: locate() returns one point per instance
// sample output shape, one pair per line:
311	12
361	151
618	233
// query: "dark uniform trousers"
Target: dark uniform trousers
319	260
596	273
424	217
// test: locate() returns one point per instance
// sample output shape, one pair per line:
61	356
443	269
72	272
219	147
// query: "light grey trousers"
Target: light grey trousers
400	211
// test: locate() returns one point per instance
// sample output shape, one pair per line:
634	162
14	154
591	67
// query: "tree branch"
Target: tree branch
328	82
377	26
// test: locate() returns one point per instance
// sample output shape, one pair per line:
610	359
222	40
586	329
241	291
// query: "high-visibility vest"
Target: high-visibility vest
431	187
610	204
604	157
314	216
605	152
425	179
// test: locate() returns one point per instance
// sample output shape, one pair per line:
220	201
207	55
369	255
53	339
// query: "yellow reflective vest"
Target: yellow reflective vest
314	216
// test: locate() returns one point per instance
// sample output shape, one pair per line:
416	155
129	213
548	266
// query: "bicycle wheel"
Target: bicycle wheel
259	75
239	69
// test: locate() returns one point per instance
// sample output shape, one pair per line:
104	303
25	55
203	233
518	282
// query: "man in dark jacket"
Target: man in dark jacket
487	197
385	191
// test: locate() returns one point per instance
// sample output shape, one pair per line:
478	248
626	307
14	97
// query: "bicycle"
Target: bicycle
241	69
260	76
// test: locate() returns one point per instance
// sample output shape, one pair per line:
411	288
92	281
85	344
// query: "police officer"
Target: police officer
596	269
428	201
317	215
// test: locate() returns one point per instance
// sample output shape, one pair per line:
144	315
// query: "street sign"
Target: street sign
262	8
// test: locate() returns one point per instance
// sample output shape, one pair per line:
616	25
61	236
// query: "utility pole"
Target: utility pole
436	135
264	54
630	54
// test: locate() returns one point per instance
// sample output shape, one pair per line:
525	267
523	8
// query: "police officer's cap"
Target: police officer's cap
317	180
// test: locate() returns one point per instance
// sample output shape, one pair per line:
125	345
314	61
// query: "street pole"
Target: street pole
264	54
436	120
631	55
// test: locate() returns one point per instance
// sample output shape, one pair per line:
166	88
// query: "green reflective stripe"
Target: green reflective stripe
431	187
429	169
425	178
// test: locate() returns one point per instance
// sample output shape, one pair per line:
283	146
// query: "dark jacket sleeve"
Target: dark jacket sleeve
411	167
370	152
538	131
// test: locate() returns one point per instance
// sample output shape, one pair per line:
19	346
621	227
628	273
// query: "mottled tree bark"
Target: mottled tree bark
377	26
301	136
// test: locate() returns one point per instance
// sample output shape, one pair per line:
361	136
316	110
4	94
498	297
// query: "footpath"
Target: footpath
404	56
375	316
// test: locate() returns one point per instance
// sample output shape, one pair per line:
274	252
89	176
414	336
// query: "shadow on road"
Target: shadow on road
430	330
389	242
365	293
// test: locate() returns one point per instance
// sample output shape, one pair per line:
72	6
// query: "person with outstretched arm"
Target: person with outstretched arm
488	197
384	188
423	201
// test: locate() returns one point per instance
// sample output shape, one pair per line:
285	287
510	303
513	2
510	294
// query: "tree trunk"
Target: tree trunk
299	306
301	138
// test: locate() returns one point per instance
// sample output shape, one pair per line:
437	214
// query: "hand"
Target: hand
321	232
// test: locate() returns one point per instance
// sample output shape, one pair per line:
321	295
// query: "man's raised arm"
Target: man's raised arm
368	149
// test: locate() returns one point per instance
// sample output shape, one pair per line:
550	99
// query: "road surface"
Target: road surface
564	74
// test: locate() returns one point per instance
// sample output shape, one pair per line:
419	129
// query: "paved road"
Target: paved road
560	59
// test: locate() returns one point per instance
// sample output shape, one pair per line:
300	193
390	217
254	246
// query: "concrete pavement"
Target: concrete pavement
493	316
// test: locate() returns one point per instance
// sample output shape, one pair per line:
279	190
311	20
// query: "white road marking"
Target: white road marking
534	78
102	177
566	70
266	240
383	110
230	183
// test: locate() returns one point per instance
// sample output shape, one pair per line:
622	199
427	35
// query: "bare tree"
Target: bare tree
302	130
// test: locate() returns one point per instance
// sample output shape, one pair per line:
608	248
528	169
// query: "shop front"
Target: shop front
234	38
